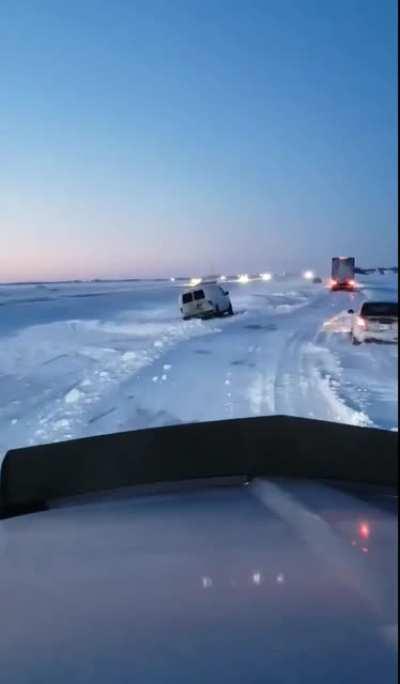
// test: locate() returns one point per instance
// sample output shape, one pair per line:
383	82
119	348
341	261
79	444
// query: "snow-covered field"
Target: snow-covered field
90	358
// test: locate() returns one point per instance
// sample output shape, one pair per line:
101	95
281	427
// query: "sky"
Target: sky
158	138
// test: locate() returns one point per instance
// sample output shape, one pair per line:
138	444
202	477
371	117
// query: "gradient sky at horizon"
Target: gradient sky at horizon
142	138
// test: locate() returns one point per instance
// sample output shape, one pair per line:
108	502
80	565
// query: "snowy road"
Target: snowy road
84	359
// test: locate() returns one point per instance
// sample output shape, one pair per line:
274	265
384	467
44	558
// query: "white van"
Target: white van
204	301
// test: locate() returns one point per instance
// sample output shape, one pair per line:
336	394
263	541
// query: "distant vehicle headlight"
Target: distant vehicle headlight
308	275
265	276
243	278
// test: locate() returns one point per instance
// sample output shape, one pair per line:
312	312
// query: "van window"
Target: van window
199	294
380	309
187	297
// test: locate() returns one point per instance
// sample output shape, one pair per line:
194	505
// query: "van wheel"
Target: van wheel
186	318
217	311
230	310
355	341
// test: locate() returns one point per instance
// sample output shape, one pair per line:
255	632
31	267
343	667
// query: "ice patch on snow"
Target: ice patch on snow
62	423
86	383
73	396
261	395
129	356
287	308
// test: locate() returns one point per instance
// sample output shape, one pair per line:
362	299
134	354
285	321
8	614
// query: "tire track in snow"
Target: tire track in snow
308	380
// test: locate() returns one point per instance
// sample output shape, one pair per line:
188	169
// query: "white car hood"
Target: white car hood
270	582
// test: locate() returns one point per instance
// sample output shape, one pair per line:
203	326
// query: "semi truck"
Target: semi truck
342	274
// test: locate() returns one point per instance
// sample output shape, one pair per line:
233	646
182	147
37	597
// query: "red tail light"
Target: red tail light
352	283
364	530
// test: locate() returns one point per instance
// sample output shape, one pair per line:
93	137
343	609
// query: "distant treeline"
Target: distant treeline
380	269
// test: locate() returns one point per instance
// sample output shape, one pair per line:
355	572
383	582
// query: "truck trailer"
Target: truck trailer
342	274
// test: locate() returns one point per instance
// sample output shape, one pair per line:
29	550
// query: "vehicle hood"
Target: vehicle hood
269	581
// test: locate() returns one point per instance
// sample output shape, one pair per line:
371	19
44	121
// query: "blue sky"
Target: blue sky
157	138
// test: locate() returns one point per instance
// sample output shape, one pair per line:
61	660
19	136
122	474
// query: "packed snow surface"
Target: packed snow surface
81	359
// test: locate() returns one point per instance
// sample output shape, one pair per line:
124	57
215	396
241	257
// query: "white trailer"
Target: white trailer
342	274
